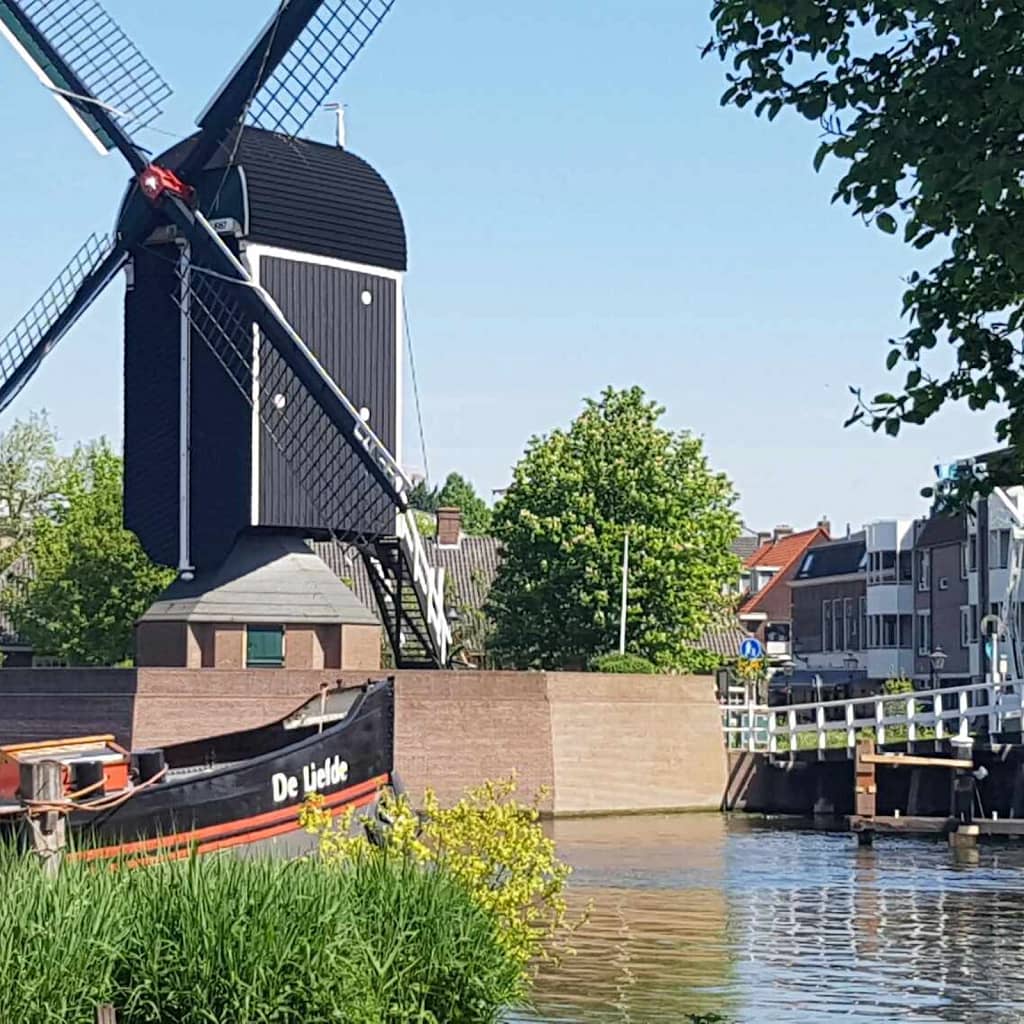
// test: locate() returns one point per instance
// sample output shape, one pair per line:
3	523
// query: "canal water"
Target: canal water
762	924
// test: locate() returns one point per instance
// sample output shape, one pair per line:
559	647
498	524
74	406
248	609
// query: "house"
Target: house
944	617
829	595
271	604
765	606
878	603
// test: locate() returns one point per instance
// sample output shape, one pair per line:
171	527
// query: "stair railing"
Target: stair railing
428	581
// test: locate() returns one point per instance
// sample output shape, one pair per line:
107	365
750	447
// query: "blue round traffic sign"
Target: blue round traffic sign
751	649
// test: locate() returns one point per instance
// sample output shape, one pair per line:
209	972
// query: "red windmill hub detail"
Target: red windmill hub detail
156	180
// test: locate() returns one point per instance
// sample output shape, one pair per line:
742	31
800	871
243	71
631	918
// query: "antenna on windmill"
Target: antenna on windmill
339	110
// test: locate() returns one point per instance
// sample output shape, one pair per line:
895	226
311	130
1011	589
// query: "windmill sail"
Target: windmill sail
78	52
73	291
312	67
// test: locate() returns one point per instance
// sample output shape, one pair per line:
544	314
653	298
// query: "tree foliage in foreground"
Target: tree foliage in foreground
89	579
921	102
574	496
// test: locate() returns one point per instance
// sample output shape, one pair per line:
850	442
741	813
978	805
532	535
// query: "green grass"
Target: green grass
221	940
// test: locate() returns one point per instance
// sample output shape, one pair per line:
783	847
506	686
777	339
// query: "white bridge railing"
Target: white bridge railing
945	713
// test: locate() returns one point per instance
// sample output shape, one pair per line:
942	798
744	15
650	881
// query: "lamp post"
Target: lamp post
787	671
851	663
938	661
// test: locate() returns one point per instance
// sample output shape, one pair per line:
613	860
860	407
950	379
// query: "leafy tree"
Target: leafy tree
575	495
920	101
458	492
423	497
30	471
90	577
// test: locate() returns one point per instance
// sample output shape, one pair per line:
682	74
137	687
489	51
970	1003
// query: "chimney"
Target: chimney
781	531
449	527
763	538
824	524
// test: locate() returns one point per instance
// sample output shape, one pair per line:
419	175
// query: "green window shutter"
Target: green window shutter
264	646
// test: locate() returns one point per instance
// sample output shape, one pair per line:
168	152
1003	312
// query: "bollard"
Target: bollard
965	837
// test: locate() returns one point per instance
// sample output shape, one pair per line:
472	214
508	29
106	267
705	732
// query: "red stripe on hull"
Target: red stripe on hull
239	831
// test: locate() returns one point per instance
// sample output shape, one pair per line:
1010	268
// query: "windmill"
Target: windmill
264	272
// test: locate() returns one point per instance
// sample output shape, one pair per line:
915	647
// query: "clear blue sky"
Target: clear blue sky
581	212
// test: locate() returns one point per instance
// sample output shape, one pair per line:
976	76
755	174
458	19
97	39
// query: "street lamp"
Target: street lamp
938	660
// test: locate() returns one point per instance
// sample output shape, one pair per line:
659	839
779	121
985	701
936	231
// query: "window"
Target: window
972	553
965	565
924	632
906	632
826	626
999	549
264	646
906	565
888	638
968	626
924	570
852	633
864	622
838	640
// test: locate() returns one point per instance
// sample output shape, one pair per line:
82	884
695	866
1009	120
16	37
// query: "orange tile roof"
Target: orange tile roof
780	555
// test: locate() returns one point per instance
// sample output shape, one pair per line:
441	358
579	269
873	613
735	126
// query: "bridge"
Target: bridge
986	710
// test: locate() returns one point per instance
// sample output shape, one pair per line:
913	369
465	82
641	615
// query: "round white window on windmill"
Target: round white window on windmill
279	402
366	298
364	414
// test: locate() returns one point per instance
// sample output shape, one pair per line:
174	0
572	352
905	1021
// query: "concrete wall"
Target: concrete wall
598	743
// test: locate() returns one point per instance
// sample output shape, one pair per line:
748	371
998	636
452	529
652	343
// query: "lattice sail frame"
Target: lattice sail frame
93	45
303	80
346	497
19	345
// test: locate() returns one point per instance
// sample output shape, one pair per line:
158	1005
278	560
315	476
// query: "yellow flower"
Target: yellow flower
492	843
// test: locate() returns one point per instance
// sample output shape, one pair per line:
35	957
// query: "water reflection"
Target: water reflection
697	914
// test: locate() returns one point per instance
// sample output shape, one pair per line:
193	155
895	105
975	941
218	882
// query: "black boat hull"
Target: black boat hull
246	789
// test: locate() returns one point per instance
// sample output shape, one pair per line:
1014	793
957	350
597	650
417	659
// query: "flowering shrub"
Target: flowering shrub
491	843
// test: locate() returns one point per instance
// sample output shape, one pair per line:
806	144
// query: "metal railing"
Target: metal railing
945	713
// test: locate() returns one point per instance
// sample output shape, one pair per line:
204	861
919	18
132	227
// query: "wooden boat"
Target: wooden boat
241	789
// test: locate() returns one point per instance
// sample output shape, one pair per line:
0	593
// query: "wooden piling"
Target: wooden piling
865	787
105	1015
41	782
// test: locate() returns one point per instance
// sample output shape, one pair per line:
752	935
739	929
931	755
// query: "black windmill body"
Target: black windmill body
263	313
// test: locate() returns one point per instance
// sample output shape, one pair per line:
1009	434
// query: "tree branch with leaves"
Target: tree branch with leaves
919	101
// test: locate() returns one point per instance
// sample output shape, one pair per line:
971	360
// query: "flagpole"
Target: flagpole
625	591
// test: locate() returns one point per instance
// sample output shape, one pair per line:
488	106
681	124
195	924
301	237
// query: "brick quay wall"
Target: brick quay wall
598	744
